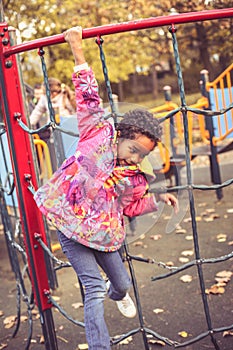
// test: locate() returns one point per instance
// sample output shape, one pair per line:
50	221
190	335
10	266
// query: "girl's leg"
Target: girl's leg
113	266
84	262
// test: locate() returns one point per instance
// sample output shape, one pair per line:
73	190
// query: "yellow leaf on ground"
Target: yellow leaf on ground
227	333
215	289
183	334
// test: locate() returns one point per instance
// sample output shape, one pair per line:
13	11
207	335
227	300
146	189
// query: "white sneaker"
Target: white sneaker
126	306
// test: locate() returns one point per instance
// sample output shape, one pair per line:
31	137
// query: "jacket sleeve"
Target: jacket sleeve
87	101
145	204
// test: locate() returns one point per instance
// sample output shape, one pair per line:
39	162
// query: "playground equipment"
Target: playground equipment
216	95
33	227
216	137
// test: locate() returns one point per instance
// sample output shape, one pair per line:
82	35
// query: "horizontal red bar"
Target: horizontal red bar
187	17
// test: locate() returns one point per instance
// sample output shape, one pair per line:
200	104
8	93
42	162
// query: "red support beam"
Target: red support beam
11	99
152	22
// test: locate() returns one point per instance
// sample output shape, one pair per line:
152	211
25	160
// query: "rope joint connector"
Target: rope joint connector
99	41
41	51
37	236
17	115
172	29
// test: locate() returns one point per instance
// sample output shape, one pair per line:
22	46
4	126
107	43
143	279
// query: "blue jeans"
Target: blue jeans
86	262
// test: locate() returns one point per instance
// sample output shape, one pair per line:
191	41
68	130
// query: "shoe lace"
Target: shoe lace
125	302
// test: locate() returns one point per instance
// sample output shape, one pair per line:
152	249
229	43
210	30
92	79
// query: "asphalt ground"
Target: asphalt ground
171	307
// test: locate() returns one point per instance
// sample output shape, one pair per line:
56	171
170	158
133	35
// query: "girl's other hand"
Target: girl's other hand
169	199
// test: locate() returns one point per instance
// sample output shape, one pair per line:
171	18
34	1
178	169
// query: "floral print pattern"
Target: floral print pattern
88	195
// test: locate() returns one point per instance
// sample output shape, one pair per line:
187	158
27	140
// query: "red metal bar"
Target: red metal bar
23	170
125	27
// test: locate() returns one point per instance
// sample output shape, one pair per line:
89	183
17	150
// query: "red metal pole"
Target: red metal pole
23	169
125	27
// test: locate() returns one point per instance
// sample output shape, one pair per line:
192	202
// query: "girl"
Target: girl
92	190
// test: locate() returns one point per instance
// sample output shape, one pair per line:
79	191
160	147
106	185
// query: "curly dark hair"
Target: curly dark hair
140	121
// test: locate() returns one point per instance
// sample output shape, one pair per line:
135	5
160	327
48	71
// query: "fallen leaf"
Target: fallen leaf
178	227
63	339
215	216
77	285
3	346
230	243
221	284
183	260
202	205
170	263
210	210
10	319
221	237
224	273
82	346
34	341
77	305
42	340
186	278
1	313
189	238
157	342
126	341
188	220
23	318
138	244
158	311
227	333
208	219
155	237
183	334
56	298
215	289
181	231
187	253
35	312
142	236
222	280
230	211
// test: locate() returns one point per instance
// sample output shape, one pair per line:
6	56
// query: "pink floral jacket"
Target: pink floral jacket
88	195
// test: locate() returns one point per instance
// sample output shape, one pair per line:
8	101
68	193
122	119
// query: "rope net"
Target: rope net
16	245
